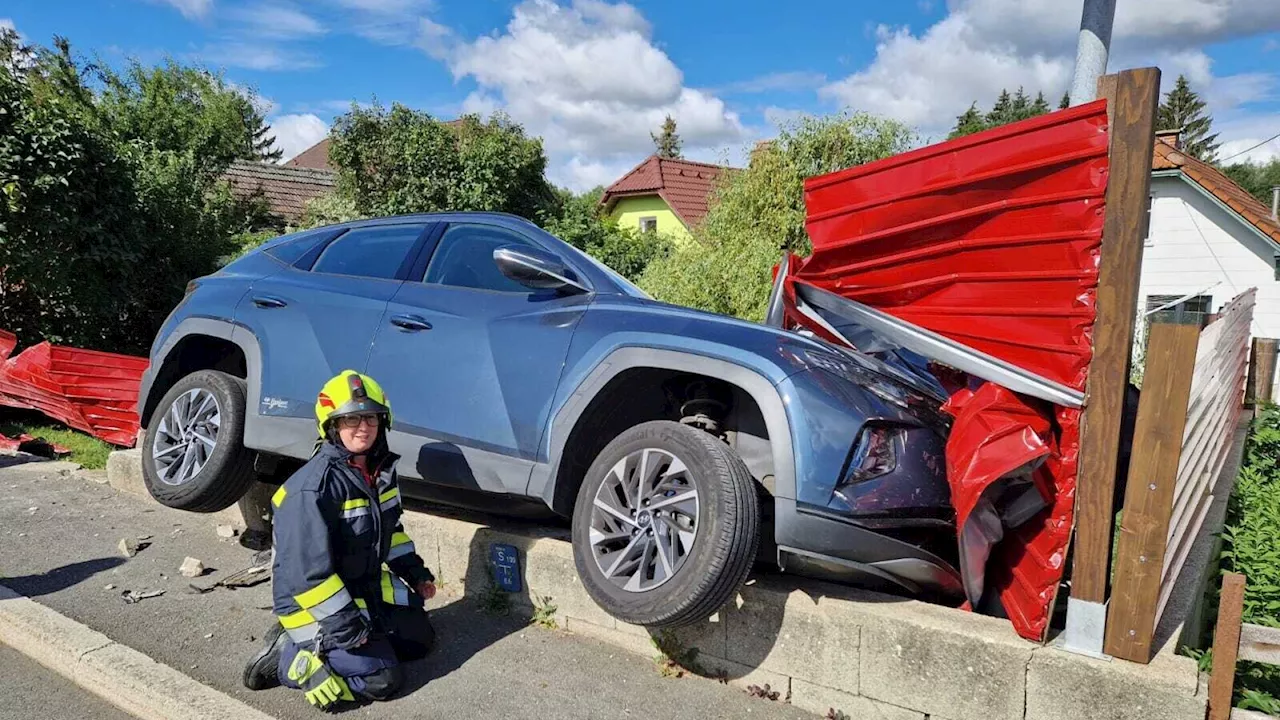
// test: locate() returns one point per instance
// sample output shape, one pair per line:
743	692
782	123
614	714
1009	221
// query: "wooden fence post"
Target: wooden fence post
1226	646
1132	97
1265	369
1148	500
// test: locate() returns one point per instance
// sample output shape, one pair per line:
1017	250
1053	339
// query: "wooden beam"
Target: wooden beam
1148	499
1226	644
1266	370
1132	97
1251	380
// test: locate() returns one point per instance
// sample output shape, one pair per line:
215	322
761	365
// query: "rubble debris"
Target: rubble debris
33	510
257	573
227	531
191	568
209	636
144	537
195	589
130	597
129	547
109	587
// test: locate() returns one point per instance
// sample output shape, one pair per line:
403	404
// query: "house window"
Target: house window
649	224
1192	310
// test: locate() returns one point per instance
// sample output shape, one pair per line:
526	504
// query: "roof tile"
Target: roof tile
1167	157
287	189
684	185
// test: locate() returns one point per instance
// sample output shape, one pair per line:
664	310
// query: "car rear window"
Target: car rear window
375	252
289	251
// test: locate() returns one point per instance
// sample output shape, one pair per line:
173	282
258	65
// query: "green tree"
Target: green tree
667	142
758	212
102	223
404	161
1039	107
1183	109
1065	102
1256	178
969	122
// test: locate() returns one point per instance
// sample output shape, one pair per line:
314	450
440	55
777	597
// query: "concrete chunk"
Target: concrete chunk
128	547
1118	690
124	471
819	700
191	568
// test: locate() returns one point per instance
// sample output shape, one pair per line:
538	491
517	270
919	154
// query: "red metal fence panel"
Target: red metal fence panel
991	240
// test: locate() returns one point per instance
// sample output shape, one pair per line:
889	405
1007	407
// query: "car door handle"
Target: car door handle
266	301
412	323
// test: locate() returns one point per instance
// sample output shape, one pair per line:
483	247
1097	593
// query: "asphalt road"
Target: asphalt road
31	692
60	533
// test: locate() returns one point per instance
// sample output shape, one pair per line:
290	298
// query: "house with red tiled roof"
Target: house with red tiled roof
286	189
1209	240
665	195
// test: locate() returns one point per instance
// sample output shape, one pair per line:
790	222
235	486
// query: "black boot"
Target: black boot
263	671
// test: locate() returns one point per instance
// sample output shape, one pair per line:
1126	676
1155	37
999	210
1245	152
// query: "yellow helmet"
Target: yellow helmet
350	393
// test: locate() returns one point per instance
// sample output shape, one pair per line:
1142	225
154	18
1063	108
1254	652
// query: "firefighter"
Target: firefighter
349	589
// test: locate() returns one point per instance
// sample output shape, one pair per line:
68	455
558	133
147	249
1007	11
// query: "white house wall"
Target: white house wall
1193	243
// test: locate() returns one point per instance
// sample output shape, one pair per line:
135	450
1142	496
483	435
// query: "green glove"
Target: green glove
322	687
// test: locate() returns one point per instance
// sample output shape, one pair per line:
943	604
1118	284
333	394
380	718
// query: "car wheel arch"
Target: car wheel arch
557	484
235	351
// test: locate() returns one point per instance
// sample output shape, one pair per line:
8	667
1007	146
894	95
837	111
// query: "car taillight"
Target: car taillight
875	454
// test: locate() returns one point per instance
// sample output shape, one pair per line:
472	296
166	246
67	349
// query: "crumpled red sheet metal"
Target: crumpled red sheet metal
34	445
991	240
91	391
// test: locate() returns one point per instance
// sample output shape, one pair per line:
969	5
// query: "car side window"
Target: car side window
374	252
464	258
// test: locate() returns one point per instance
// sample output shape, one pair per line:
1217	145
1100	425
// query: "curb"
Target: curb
117	673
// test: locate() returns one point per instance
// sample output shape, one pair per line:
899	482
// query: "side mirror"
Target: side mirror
535	268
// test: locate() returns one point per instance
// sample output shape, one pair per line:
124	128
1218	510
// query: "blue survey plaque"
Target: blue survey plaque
506	567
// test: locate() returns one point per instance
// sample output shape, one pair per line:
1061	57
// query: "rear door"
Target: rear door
471	360
318	317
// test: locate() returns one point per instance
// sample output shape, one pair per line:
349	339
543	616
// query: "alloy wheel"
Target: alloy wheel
644	520
186	437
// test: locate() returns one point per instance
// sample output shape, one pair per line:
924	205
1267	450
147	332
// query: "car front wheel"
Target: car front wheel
193	456
666	525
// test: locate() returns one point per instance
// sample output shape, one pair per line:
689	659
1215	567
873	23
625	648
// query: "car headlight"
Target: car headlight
875	453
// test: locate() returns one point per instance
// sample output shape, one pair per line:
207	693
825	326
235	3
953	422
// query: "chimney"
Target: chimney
1172	138
1275	201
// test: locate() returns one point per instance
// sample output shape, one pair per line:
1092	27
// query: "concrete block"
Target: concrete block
628	641
549	571
1117	690
819	700
124	472
937	660
709	636
789	633
744	676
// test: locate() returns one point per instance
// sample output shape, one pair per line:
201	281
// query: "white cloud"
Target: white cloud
295	133
587	78
257	56
262	104
983	46
7	24
278	21
190	9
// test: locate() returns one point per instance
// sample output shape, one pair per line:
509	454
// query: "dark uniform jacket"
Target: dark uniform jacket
340	550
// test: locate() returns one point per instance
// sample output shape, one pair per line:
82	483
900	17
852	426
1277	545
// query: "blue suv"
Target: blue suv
683	445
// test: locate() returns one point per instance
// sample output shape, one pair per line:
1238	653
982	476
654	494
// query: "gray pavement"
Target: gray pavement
59	536
32	692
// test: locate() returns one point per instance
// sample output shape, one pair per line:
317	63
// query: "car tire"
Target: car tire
217	477
717	558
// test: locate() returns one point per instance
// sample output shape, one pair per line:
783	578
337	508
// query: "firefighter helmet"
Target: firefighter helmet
350	393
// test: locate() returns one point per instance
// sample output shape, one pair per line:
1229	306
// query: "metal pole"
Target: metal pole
1091	53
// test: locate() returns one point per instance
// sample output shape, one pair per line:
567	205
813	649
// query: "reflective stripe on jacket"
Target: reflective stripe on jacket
340	550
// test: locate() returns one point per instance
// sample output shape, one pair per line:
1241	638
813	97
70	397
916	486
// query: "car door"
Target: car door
470	360
318	317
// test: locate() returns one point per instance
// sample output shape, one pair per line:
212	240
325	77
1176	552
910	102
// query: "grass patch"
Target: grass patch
494	601
1250	548
89	451
544	613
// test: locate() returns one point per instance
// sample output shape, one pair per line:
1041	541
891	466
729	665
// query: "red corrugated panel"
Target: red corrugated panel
91	391
991	240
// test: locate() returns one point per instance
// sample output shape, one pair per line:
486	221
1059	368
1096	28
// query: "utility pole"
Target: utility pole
1091	52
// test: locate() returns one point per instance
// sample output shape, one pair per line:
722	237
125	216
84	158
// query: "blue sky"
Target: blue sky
594	77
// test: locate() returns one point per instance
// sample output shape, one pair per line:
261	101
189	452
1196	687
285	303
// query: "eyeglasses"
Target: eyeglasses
354	421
